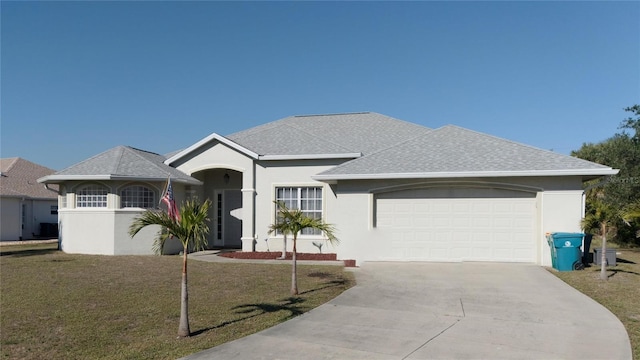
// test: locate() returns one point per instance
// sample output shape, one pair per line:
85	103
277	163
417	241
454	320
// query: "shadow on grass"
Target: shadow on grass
623	261
615	271
290	305
27	252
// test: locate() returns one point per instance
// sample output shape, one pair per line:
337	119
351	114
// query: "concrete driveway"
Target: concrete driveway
444	311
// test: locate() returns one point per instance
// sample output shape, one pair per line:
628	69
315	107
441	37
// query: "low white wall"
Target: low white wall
86	231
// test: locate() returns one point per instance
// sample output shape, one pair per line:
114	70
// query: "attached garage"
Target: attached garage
457	224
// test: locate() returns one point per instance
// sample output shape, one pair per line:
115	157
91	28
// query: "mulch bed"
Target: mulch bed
265	255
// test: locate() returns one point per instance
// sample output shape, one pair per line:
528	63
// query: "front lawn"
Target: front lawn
620	294
62	306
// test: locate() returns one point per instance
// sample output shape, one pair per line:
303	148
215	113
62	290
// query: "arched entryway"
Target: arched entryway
223	188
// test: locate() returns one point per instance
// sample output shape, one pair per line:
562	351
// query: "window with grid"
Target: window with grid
307	199
92	196
137	196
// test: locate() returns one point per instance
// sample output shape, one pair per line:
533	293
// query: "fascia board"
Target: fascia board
60	178
310	156
204	141
433	175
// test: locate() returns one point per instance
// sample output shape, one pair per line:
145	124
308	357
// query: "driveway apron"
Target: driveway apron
444	311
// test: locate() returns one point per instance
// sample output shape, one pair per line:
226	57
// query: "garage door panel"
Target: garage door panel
476	228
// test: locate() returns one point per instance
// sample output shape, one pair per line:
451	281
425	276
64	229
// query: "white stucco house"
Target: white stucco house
395	191
28	210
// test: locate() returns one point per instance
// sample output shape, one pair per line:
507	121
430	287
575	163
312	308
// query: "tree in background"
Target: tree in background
621	151
191	227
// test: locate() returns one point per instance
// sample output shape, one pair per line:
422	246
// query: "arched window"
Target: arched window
94	196
137	196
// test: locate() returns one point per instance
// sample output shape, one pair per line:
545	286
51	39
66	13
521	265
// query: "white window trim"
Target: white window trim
154	200
299	186
78	196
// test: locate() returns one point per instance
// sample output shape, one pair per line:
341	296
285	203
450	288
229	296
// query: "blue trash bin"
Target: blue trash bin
565	248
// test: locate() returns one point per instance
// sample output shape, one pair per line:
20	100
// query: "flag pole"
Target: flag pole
164	190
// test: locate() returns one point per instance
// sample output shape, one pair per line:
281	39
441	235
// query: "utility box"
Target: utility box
610	256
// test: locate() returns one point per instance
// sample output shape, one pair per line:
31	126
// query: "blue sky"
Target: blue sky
79	78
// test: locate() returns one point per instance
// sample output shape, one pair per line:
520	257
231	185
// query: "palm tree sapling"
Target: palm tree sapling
293	221
191	228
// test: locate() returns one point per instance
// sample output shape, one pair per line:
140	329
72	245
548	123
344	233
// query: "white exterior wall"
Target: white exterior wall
37	211
42	214
561	212
220	156
559	204
141	244
104	231
294	174
10	219
87	231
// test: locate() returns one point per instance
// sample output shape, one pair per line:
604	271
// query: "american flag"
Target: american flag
168	199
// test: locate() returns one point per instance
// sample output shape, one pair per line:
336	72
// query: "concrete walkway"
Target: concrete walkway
444	311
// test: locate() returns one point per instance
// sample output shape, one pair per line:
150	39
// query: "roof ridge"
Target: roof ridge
334	114
143	150
315	137
511	141
134	151
13	163
428	132
91	158
121	149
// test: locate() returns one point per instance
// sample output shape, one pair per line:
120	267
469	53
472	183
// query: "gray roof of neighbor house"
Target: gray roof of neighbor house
18	179
452	151
316	136
122	163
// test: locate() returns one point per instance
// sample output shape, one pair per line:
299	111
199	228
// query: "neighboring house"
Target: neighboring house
28	210
395	191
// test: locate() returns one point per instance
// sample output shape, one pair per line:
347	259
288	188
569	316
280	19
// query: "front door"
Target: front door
229	218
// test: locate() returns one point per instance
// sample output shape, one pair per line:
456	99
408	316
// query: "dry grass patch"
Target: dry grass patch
620	294
63	306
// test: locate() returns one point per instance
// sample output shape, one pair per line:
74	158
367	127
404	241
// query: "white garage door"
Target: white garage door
457	224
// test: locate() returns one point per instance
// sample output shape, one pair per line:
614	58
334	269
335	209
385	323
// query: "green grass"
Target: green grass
620	293
63	306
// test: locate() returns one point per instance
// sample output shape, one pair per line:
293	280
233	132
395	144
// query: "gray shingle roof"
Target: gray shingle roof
19	177
451	150
327	134
122	162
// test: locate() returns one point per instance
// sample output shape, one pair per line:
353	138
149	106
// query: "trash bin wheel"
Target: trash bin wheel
578	265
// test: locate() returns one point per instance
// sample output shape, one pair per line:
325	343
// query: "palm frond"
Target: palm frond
293	221
191	230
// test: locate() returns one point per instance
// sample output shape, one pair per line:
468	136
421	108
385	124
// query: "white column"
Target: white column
248	210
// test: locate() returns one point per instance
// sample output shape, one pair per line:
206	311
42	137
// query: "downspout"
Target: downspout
46	186
22	216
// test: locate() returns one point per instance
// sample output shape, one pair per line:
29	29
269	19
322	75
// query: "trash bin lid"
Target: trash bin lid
564	239
566	234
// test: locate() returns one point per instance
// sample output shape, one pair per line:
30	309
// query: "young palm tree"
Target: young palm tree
600	219
191	228
292	221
